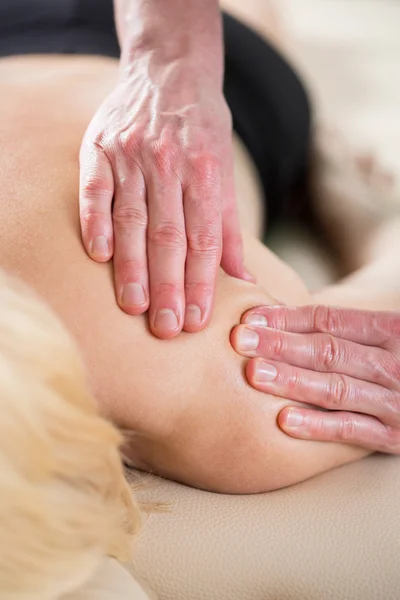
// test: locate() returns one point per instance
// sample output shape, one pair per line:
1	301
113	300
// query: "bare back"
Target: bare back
185	402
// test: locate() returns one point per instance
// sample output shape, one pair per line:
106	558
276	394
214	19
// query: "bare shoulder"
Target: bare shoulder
185	405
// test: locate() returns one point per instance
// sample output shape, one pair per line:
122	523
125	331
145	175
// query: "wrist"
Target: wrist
170	65
174	31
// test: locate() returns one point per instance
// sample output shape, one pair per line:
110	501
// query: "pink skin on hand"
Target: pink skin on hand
346	361
157	193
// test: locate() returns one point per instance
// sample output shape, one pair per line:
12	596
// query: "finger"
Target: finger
130	234
203	221
329	391
232	249
319	352
232	260
343	427
363	327
166	254
96	190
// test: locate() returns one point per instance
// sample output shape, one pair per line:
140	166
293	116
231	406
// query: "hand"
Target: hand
345	361
157	193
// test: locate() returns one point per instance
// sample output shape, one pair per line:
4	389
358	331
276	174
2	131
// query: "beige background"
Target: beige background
350	50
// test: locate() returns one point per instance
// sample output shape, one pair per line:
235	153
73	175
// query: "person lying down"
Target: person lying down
184	403
67	513
184	407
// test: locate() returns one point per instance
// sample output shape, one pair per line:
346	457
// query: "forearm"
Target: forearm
172	29
376	286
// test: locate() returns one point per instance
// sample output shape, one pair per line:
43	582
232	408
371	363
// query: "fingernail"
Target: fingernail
192	315
294	418
247	339
166	320
133	295
265	372
100	247
256	320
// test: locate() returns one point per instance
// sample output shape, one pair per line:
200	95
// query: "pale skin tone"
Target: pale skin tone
156	183
347	361
155	198
186	404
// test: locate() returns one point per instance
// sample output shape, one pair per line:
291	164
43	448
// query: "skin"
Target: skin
317	351
344	361
185	405
156	185
357	207
212	432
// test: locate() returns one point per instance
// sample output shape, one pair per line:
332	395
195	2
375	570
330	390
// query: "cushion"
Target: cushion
335	537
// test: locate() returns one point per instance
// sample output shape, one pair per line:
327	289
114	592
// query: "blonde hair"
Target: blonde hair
64	501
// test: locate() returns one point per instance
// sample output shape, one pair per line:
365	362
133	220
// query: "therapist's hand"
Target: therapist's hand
157	192
345	361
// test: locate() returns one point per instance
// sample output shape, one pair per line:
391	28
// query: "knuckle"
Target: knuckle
346	428
89	215
95	186
293	382
197	289
99	140
168	235
126	216
283	319
207	166
328	355
204	240
327	319
164	154
130	266
276	342
129	142
319	426
338	393
166	288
